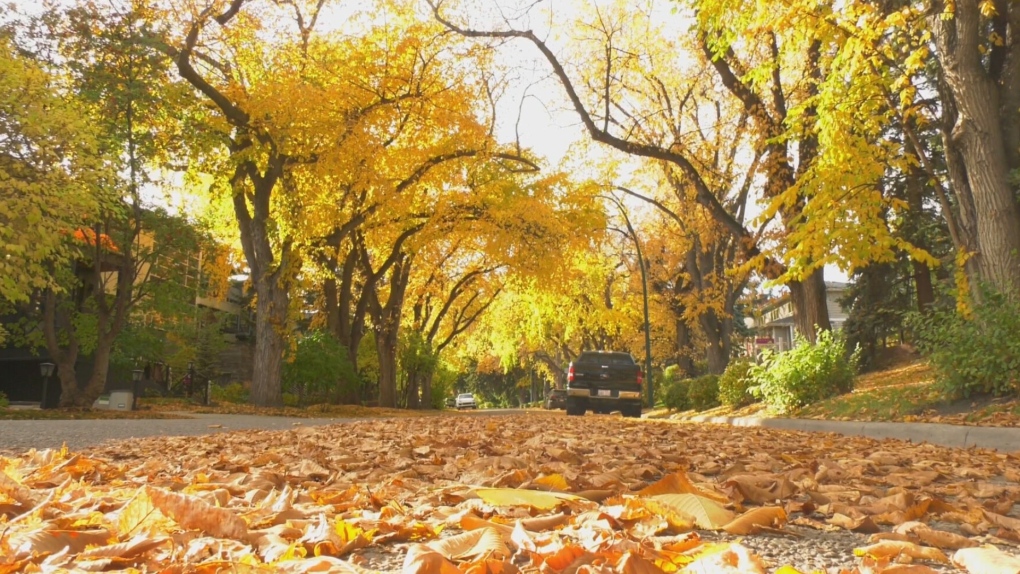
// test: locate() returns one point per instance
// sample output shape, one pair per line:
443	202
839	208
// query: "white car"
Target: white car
465	401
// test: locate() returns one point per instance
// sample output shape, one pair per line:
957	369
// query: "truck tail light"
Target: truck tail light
640	378
570	373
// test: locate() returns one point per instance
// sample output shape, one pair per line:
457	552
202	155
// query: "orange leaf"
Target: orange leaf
752	520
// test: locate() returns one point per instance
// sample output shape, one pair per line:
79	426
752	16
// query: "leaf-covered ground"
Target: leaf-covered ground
531	493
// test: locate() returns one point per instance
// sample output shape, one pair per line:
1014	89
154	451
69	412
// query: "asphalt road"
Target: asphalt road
20	435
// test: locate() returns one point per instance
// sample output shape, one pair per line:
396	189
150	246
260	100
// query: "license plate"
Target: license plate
605	393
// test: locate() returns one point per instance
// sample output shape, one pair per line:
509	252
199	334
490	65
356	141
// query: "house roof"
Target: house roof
785	321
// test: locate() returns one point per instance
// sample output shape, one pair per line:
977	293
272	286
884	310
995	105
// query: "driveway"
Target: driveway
20	435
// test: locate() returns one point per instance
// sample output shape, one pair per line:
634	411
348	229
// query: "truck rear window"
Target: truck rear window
606	358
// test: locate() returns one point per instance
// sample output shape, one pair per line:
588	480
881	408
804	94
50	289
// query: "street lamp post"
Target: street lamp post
136	377
644	297
46	370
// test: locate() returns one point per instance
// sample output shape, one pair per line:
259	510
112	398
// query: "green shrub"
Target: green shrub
4	403
443	381
703	392
232	393
804	374
290	400
319	370
675	398
734	384
980	354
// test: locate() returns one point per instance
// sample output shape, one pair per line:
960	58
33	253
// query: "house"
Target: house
774	325
20	377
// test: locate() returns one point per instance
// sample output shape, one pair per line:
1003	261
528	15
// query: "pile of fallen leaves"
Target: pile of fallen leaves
528	493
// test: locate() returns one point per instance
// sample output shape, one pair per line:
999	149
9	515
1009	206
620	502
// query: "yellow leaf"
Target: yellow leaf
553	481
732	559
706	512
518	497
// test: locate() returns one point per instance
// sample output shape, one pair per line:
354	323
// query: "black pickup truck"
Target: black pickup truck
603	382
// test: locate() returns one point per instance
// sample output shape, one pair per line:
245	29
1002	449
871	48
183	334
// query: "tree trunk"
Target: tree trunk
978	131
684	360
810	311
100	370
413	400
923	286
270	323
426	389
386	347
64	358
718	338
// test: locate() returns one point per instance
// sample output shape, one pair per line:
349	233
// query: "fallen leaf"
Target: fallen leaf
192	512
734	559
421	559
752	520
986	560
706	512
894	548
481	543
540	500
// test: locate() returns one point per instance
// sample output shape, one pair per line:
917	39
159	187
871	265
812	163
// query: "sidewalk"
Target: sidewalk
1002	439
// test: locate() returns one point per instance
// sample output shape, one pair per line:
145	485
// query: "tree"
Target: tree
773	62
976	45
50	167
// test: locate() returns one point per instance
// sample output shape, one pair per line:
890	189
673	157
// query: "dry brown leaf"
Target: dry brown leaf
893	548
421	559
481	543
594	495
986	560
920	532
129	549
1000	520
863	524
754	519
46	542
542	523
191	512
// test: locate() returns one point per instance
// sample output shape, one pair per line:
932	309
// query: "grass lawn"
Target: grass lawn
902	392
